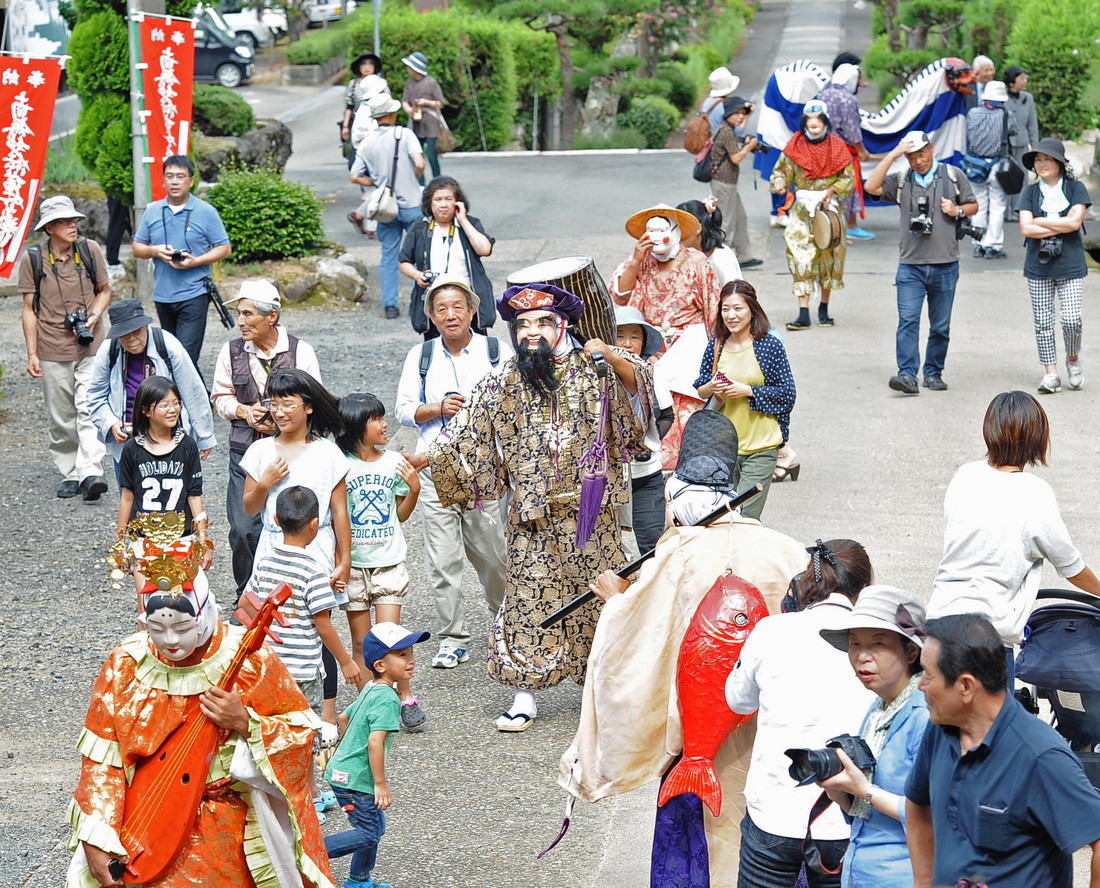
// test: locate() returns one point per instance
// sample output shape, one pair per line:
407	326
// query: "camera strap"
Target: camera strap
810	852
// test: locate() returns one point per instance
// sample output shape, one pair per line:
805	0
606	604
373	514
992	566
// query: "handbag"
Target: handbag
1010	175
703	170
445	141
382	206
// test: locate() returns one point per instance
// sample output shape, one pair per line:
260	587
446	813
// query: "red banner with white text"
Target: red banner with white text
28	90
167	79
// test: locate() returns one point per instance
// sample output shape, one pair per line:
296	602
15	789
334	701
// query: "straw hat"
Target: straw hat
689	225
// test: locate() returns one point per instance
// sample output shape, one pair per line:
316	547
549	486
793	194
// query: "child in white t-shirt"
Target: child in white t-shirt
382	491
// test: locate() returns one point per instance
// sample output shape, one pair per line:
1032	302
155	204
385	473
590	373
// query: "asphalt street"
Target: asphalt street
474	806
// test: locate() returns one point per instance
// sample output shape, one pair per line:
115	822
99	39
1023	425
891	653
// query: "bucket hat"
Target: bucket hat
1051	148
417	61
880	607
57	207
126	316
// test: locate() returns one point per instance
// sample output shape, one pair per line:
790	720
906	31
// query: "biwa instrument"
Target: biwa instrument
163	799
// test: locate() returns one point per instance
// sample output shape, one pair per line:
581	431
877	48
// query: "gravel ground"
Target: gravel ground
463	791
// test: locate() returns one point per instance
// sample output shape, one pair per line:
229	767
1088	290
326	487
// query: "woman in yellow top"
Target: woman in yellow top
745	370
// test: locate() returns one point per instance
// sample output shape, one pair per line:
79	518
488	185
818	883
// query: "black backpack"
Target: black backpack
426	359
84	260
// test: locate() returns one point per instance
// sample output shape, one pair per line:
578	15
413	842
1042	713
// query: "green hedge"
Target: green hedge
218	111
1055	41
318	47
267	217
100	56
655	118
102	142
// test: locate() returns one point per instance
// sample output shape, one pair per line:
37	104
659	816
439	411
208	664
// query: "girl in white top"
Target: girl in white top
1000	523
304	412
709	239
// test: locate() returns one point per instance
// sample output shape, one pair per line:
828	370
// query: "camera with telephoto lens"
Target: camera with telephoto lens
77	321
810	765
1050	248
921	224
965	228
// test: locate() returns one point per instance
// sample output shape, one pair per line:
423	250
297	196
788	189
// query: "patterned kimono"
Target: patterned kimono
811	267
138	700
504	438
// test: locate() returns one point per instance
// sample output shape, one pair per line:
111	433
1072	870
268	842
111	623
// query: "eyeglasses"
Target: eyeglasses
166	406
176	177
272	407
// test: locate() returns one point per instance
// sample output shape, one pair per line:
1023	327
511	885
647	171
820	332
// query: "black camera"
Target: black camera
177	256
761	147
429	276
810	765
77	321
921	224
965	228
1050	248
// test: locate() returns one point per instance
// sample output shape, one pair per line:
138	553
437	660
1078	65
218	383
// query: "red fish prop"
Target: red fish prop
712	645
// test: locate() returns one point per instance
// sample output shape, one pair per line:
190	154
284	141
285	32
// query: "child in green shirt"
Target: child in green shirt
357	772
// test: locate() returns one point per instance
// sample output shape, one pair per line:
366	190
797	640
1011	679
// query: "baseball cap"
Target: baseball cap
914	140
386	637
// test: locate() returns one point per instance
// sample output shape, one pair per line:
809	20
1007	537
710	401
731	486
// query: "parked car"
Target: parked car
243	18
245	27
318	11
219	56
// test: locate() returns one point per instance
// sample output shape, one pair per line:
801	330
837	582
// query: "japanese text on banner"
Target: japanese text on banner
28	90
168	54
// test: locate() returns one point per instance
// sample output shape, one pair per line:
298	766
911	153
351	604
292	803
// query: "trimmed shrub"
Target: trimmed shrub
102	142
100	56
681	88
1054	41
218	111
655	118
318	47
267	217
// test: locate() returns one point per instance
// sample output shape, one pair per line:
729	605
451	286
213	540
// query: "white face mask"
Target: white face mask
173	633
665	236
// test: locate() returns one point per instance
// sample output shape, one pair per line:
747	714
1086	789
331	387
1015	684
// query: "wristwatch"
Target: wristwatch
867	798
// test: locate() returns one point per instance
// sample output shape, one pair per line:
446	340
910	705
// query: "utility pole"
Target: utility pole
377	8
143	267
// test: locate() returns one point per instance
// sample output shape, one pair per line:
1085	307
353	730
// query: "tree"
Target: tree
590	21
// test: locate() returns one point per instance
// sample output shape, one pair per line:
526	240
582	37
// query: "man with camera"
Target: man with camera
65	291
185	235
935	200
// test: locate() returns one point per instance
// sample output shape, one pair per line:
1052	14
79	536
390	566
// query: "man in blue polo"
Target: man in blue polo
995	795
184	236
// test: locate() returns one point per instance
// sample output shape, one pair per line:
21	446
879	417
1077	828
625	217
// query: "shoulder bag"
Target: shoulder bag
382	206
1010	175
445	141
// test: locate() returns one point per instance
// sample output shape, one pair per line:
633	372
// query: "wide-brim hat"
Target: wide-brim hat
722	82
126	316
708	433
539	297
995	91
689	225
628	314
880	607
57	207
1051	148
454	281
382	104
385	637
417	61
258	291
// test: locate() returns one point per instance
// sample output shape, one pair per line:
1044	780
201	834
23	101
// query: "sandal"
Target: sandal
511	723
782	473
357	222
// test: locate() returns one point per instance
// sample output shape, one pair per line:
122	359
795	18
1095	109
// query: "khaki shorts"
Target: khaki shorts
370	586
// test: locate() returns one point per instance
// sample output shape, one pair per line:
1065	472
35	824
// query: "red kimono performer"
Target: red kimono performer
256	824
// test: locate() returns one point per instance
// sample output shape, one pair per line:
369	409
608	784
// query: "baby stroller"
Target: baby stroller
1060	656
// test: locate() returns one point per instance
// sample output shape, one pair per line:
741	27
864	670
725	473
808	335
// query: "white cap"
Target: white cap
914	140
258	291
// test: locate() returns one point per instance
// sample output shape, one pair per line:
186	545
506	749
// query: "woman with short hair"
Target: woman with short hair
447	241
1052	212
1001	523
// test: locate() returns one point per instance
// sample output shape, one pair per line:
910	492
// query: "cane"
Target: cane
581	600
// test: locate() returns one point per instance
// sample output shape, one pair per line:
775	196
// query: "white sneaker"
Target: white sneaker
1050	384
449	657
1074	376
778	221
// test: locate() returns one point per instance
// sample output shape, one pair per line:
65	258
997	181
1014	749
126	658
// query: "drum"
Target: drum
576	275
828	228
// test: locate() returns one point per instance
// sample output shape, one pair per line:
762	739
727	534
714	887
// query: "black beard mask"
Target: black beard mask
536	368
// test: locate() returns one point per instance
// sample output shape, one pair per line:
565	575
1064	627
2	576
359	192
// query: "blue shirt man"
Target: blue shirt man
995	795
184	236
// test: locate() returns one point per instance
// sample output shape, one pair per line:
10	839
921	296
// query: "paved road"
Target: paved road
875	466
